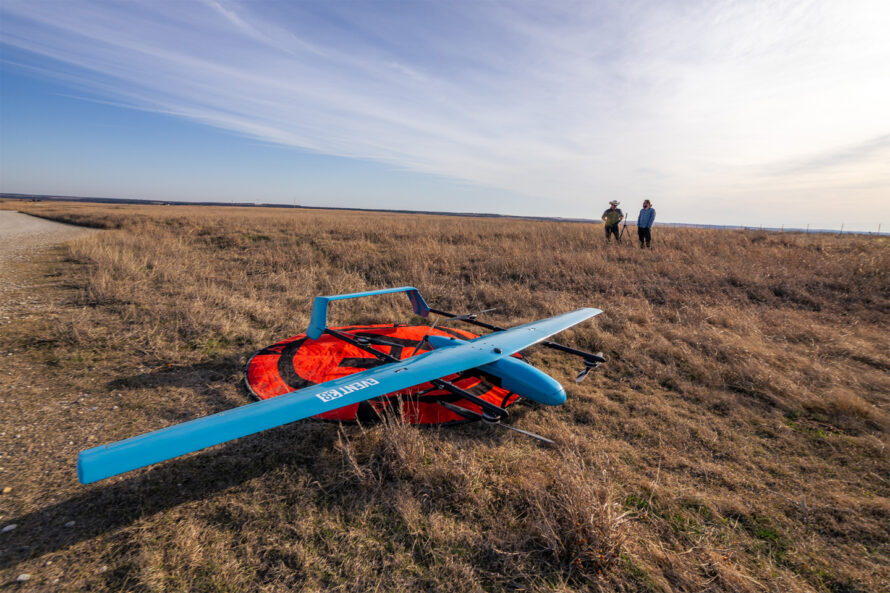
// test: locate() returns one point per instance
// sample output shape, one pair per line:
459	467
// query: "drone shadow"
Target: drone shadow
106	506
202	379
102	508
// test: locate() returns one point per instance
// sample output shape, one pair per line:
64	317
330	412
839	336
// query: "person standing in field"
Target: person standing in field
611	218
644	224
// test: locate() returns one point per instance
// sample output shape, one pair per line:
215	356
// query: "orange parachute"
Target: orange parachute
299	362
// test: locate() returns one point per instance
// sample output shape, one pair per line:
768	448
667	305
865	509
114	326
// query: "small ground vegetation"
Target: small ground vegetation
735	441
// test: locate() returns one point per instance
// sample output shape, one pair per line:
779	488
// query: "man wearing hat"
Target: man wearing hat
611	218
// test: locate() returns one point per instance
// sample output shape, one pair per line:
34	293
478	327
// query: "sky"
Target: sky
738	113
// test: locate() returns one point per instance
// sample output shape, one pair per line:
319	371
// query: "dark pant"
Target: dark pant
645	237
612	229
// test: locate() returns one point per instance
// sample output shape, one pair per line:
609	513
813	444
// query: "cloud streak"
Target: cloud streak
583	99
873	149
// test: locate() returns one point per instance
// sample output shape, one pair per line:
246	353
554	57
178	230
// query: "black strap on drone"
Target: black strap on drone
492	412
362	344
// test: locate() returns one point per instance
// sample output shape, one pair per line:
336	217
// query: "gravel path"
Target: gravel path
23	237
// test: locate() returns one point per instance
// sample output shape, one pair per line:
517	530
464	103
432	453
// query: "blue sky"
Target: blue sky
720	112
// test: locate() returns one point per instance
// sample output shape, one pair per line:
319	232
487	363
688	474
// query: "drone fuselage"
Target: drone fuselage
515	375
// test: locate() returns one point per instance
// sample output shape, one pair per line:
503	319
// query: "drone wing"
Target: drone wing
116	458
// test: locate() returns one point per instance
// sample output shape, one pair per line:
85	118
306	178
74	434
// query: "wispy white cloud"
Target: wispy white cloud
873	149
568	102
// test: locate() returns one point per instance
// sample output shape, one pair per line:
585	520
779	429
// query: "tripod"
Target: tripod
623	228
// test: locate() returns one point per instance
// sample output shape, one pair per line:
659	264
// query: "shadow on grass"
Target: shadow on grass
109	505
203	379
118	502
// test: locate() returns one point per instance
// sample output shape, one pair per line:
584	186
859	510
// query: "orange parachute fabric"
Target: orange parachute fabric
299	362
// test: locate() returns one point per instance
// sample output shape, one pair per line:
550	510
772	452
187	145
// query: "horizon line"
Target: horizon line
149	202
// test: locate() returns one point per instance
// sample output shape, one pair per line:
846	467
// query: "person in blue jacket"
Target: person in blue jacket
644	224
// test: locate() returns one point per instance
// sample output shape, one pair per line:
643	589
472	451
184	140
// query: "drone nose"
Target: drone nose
527	381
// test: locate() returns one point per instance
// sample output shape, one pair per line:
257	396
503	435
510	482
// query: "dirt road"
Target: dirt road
22	238
20	234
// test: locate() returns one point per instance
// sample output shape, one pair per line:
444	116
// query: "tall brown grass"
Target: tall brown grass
736	439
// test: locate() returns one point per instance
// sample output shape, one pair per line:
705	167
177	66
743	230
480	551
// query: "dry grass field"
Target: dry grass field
737	439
